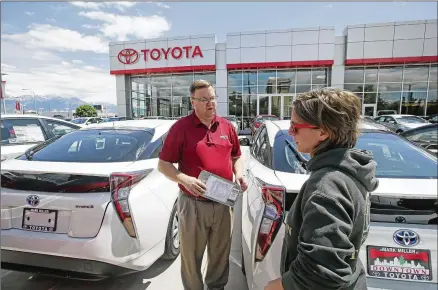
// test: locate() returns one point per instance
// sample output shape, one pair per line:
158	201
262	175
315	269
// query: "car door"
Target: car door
255	226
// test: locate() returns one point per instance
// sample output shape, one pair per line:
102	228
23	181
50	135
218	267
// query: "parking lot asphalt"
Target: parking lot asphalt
163	275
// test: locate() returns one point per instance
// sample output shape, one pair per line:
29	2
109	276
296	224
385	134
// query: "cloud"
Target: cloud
51	19
50	37
122	6
162	5
330	5
29	13
5	67
66	80
89	26
55	75
120	26
49	72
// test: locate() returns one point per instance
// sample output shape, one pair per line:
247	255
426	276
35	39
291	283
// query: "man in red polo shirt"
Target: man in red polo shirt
202	141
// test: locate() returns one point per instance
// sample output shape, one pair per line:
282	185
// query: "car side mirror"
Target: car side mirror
245	141
391	122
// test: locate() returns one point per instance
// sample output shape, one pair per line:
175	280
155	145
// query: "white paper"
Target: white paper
30	133
218	189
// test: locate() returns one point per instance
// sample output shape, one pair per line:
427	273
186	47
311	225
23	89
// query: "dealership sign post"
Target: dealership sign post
131	56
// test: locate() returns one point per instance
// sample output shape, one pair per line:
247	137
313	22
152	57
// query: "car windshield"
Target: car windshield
79	120
427	135
395	156
96	146
410	120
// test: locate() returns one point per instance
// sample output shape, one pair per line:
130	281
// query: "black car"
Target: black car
425	136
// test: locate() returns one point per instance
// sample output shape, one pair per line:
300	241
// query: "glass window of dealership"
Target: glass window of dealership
164	95
405	89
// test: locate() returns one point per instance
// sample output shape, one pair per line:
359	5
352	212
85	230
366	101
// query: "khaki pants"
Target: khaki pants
204	224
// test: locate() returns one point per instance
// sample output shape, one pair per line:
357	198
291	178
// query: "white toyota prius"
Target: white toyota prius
401	249
90	204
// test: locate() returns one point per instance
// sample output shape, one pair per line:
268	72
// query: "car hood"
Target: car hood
388	187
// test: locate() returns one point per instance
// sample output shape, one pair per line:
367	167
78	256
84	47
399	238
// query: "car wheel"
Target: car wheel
171	250
399	131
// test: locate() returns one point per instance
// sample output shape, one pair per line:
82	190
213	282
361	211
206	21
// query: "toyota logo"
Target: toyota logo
33	200
128	56
406	238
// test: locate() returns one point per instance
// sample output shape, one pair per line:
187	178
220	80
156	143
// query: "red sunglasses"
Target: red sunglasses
294	127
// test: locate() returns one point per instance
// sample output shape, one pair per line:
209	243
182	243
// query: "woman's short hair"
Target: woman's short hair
335	111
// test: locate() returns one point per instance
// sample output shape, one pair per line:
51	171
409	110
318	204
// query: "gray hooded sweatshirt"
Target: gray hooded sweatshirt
328	223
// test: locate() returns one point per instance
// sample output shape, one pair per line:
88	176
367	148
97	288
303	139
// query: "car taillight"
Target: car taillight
271	220
257	124
121	184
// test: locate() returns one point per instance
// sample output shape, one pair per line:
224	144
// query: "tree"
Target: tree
86	111
402	260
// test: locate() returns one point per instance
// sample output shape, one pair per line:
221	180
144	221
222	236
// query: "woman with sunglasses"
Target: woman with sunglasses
329	220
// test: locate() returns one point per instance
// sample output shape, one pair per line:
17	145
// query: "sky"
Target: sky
61	48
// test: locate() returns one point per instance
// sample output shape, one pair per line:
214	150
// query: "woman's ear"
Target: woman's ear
323	135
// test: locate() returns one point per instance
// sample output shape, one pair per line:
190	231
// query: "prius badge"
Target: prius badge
33	200
407	238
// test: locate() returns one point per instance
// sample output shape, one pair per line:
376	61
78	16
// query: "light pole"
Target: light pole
34	98
3	93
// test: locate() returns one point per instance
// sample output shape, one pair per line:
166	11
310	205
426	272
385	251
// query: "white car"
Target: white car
234	122
401	249
21	132
90	204
85	121
401	123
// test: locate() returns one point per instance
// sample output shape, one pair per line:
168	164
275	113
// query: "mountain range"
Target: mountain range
52	103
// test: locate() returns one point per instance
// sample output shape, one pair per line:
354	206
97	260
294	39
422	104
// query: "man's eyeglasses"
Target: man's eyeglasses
295	126
205	100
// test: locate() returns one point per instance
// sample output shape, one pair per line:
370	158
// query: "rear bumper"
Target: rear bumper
112	246
64	267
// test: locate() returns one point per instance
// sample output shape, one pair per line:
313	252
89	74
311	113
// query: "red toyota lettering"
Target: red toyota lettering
166	52
177	52
157	53
197	52
145	54
187	49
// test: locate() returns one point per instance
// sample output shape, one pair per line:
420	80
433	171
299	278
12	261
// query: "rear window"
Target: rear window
395	156
423	135
21	131
96	146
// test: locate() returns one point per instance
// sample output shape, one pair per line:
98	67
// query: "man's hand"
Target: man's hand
194	185
242	182
274	285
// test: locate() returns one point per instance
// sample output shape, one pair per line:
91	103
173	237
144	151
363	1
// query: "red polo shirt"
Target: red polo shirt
195	147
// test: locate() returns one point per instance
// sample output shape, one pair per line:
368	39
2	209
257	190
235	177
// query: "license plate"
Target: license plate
399	263
40	220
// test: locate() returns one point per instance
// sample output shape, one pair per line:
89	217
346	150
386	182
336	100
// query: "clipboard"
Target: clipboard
220	189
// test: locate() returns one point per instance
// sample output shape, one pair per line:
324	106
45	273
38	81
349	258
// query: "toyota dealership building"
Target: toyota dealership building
391	66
